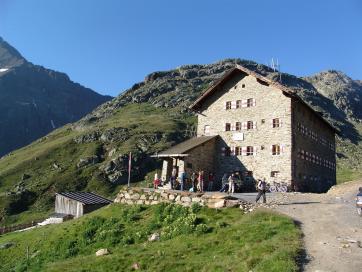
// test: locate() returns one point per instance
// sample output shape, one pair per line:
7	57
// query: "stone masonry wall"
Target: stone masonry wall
270	103
312	174
146	196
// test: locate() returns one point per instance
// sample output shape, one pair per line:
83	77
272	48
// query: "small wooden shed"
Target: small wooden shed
78	203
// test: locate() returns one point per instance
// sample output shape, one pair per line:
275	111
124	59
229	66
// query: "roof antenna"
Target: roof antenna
276	68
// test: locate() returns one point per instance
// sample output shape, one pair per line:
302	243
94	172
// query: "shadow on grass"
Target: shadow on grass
302	259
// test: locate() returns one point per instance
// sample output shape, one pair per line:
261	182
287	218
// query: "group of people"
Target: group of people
197	182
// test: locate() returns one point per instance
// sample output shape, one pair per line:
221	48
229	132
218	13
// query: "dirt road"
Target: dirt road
332	229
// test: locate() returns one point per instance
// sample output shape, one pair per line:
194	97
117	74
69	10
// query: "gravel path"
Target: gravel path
330	224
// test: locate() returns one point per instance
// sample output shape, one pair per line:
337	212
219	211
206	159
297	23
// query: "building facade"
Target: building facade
262	130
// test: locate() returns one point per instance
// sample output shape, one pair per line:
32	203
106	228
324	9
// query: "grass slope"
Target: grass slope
192	239
25	200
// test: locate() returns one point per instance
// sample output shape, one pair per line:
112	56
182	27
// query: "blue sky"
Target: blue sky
110	45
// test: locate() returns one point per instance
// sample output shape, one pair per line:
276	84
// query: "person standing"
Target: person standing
224	183
210	185
231	184
261	190
200	183
193	181
182	177
173	178
156	182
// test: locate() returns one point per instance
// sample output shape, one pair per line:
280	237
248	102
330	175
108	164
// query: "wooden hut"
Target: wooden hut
78	203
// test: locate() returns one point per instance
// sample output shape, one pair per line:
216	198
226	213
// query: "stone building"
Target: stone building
260	128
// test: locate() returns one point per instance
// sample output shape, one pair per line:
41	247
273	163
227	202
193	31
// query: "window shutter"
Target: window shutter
255	150
233	104
225	127
244	103
282	148
245	125
232	149
243	151
280	122
271	123
254	125
232	127
271	150
254	102
225	106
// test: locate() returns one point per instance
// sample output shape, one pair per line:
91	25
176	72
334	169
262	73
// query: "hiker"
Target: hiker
156	182
173	178
261	190
211	181
224	183
200	179
193	182
231	184
182	177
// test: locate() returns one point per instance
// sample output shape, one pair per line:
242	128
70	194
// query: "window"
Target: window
250	125
263	121
276	123
274	174
238	104
227	127
250	102
228	105
238	151
189	165
275	149
238	126
207	130
227	151
243	86
249	150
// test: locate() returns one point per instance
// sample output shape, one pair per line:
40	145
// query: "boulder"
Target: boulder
102	252
154	237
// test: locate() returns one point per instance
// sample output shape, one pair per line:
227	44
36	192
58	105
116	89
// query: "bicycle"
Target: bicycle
278	187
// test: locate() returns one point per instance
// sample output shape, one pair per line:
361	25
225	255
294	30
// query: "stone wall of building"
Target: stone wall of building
146	196
269	103
313	171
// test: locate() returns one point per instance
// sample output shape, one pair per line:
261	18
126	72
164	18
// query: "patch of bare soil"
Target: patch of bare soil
331	226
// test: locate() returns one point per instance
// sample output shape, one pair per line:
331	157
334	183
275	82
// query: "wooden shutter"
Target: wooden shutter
254	102
255	149
271	150
244	125
225	105
280	122
225	126
232	127
243	151
254	125
244	103
282	149
232	150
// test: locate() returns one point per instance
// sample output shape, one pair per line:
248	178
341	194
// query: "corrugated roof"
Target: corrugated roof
86	197
182	148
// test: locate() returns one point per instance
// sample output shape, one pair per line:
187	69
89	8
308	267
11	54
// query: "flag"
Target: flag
129	168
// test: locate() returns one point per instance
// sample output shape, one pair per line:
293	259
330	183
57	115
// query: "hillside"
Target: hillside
261	241
35	100
92	153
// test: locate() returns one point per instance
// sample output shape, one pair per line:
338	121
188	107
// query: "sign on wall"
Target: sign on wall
238	136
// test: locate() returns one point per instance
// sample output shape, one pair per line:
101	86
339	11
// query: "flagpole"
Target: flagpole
129	169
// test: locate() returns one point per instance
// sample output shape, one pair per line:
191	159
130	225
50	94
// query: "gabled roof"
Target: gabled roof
86	198
181	149
238	68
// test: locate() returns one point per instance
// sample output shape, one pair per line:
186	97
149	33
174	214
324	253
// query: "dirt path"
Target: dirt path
332	229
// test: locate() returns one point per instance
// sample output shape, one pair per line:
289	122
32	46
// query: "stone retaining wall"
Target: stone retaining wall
146	196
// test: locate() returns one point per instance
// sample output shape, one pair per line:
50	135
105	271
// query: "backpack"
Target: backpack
261	185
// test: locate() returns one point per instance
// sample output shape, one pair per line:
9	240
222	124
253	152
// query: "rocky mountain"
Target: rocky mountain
35	100
92	154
